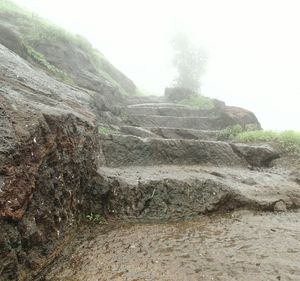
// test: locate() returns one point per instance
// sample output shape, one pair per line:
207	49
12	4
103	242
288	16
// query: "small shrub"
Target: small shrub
230	132
96	218
199	101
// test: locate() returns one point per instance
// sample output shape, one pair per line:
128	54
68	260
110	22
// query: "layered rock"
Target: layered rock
119	150
160	161
172	192
49	152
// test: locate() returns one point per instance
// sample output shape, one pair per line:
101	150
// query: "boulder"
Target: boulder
256	155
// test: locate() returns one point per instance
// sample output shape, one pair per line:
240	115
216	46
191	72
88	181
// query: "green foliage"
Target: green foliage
189	61
230	132
40	59
35	29
96	218
107	131
288	140
199	101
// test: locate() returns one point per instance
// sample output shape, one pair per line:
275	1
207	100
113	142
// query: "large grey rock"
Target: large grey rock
172	192
232	115
125	150
256	155
120	150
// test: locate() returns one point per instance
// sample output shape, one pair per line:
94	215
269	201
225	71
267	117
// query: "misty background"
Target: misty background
253	46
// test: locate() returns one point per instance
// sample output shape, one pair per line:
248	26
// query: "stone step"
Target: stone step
125	150
172	192
169	133
224	116
198	123
157	104
169	110
176	133
137	100
137	131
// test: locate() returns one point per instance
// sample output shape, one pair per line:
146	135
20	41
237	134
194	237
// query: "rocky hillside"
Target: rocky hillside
63	55
72	144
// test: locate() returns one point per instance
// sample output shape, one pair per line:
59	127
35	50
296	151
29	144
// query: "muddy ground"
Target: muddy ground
242	245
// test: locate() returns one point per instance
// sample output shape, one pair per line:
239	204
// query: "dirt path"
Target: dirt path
239	246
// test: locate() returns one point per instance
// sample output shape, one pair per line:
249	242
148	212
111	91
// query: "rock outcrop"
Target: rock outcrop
72	149
73	57
48	164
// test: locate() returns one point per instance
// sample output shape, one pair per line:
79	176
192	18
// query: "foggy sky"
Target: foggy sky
253	46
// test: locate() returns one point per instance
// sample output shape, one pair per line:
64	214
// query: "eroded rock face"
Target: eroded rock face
49	150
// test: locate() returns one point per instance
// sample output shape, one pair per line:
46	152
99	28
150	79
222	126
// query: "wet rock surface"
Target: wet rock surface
173	192
153	161
47	165
177	133
120	150
257	156
237	246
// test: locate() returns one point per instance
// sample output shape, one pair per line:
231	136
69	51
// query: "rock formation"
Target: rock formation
159	160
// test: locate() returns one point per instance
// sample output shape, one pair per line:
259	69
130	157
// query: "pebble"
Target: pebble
280	206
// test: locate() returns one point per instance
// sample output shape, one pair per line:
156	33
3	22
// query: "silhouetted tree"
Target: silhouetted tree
189	61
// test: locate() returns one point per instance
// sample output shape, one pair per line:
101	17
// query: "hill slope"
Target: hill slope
66	56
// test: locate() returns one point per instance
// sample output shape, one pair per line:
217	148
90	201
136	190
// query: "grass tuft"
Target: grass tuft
199	101
96	218
40	59
289	141
230	132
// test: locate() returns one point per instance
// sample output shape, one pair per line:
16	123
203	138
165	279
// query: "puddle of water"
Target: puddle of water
239	246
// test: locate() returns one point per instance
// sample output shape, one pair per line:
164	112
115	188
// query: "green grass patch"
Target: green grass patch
35	29
289	141
230	132
96	218
199	101
107	131
40	59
